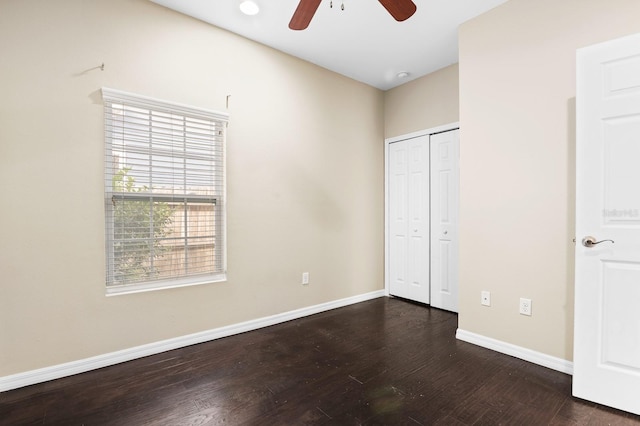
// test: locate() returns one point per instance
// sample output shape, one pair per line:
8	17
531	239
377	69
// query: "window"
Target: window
164	193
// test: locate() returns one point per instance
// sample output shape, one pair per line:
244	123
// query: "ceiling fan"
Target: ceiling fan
399	9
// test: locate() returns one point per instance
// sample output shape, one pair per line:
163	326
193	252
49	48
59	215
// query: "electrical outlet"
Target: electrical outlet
525	306
305	278
485	298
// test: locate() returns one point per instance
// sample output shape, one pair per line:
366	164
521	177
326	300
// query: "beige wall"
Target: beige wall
305	177
517	117
423	103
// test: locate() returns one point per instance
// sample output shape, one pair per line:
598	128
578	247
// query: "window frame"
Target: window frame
112	96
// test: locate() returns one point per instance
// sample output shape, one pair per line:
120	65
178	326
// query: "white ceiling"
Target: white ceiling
362	41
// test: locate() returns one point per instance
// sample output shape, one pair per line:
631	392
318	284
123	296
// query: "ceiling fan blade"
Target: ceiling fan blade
304	13
399	9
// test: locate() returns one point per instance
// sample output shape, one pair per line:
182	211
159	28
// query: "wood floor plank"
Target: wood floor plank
380	362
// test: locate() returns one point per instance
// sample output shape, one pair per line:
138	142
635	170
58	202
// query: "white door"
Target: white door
444	219
607	287
409	219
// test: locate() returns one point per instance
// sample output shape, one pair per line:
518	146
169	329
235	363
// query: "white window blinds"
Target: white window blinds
164	193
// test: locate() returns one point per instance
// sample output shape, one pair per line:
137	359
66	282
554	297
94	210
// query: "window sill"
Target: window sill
117	290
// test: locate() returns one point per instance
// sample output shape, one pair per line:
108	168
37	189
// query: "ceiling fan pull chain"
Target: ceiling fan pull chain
331	5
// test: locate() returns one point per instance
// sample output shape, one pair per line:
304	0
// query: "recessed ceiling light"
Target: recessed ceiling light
403	74
249	7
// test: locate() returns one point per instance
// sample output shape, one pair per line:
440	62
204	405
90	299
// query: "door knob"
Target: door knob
591	241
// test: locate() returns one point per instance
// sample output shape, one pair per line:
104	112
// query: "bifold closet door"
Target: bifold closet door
444	219
409	219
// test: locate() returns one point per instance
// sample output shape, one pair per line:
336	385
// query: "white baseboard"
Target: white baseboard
529	355
81	366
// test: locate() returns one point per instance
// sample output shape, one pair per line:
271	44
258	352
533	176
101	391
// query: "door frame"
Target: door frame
387	142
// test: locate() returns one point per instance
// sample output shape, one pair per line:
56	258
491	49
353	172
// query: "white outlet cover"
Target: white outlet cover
485	298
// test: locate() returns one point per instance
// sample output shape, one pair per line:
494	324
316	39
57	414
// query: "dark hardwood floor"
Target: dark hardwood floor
381	362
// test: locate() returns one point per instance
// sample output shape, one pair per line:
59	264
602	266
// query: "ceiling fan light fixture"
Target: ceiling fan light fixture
403	74
249	7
